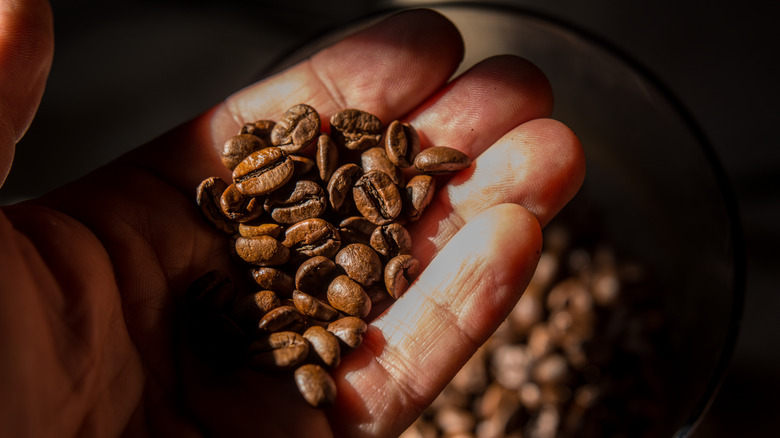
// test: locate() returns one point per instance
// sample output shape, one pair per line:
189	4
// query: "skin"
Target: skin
91	276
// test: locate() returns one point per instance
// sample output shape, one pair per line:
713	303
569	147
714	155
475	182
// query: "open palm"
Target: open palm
91	275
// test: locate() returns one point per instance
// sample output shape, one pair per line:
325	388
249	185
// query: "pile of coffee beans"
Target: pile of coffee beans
580	355
318	218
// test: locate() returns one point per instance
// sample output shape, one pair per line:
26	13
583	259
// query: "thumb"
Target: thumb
26	48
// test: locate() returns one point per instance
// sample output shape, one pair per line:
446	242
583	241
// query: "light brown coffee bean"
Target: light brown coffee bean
402	143
313	237
274	279
262	250
296	201
314	275
314	307
356	229
347	296
400	272
377	197
238	147
249	309
349	330
316	385
340	187
375	158
417	195
261	129
360	262
208	197
391	240
280	350
298	128
327	157
324	346
355	129
262	229
239	207
441	159
263	171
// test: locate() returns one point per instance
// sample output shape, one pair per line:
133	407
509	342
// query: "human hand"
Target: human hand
91	275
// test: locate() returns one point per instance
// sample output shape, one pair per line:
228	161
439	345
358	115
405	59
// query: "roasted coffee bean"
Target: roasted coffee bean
212	292
298	128
355	129
400	272
348	296
360	262
262	250
391	240
313	237
340	187
314	307
324	346
402	143
314	275
377	197
238	147
275	280
249	309
316	385
263	229
349	330
303	167
263	172
261	129
418	194
296	201
208	198
280	350
282	318
441	159
327	157
239	207
356	229
375	158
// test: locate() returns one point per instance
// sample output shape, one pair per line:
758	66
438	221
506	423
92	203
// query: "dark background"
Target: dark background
126	71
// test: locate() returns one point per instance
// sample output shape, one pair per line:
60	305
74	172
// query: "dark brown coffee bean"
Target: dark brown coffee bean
350	332
263	172
402	143
348	296
238	147
261	129
296	201
262	250
391	240
275	280
375	158
327	157
377	197
280	350
324	347
298	128
360	262
418	194
356	229
265	229
400	272
316	385
340	187
282	318
313	237
355	129
314	307
208	198
249	309
212	292
239	207
314	275
441	159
